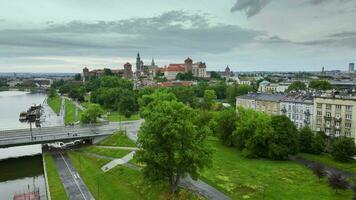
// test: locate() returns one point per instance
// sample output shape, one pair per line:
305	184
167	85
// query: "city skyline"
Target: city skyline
65	36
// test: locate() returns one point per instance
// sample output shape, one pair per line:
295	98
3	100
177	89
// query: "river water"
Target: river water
19	174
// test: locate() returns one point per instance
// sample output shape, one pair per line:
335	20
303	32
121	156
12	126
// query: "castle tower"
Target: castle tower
138	62
128	70
85	74
188	65
153	64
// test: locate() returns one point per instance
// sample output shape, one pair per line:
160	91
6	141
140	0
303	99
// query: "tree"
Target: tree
91	114
319	170
306	139
253	130
318	144
220	89
107	72
284	140
52	92
337	182
171	146
215	75
297	86
343	149
185	76
225	126
320	85
78	77
209	98
232	91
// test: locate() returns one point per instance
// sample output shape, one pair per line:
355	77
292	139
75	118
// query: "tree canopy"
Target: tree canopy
171	145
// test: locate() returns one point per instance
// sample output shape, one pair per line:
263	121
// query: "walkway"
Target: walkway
73	184
119	161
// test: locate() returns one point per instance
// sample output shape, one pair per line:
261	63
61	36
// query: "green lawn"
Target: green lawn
115	116
54	181
70	112
119	183
118	139
328	160
115	153
55	103
243	178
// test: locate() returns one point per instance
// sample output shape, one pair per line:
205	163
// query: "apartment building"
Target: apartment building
335	115
268	103
299	108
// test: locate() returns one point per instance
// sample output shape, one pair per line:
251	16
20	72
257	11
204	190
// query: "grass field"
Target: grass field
119	183
115	153
118	139
70	112
328	160
55	103
54	181
115	116
243	178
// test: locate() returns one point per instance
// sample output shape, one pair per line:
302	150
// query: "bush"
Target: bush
337	182
319	170
343	149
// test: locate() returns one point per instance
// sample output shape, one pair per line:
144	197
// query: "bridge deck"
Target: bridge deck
53	134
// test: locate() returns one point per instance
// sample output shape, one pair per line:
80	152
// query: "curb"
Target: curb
46	178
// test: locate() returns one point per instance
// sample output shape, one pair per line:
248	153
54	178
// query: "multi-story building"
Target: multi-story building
126	72
197	69
299	108
268	103
267	87
335	115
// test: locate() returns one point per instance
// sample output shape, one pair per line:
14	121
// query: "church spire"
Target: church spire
153	64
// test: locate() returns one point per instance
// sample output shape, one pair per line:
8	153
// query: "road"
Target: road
72	182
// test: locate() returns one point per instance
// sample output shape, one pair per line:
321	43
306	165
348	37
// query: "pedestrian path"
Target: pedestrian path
116	147
72	182
119	161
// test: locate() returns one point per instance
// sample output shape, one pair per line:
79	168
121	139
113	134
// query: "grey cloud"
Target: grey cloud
172	33
343	34
318	2
251	7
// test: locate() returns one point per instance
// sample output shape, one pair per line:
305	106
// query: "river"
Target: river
19	174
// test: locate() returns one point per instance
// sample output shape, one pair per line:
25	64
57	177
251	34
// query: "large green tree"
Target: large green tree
232	91
226	125
297	86
320	85
343	149
171	145
209	98
284	140
91	114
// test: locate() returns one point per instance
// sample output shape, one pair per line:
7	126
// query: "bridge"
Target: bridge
20	137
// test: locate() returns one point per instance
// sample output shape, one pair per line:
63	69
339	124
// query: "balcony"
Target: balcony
327	118
307	113
337	127
337	119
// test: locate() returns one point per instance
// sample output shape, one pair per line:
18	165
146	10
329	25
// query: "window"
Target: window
319	113
348	116
289	107
348	133
327	123
337	124
338	107
349	108
328	114
319	105
328	106
348	125
318	122
337	133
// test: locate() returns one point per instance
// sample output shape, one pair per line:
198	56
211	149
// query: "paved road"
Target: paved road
72	182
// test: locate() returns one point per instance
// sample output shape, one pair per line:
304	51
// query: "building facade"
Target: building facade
299	109
267	103
96	73
335	115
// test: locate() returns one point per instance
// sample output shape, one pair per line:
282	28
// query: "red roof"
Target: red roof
176	67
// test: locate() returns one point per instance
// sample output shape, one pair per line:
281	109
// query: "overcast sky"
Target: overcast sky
279	35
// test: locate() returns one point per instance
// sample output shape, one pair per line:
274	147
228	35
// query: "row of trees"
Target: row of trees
319	85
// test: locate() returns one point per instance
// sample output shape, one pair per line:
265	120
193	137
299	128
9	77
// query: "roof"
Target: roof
262	97
176	67
264	82
298	98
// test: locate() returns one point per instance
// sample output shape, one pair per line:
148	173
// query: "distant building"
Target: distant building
126	72
197	69
268	103
298	108
267	87
351	67
335	115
